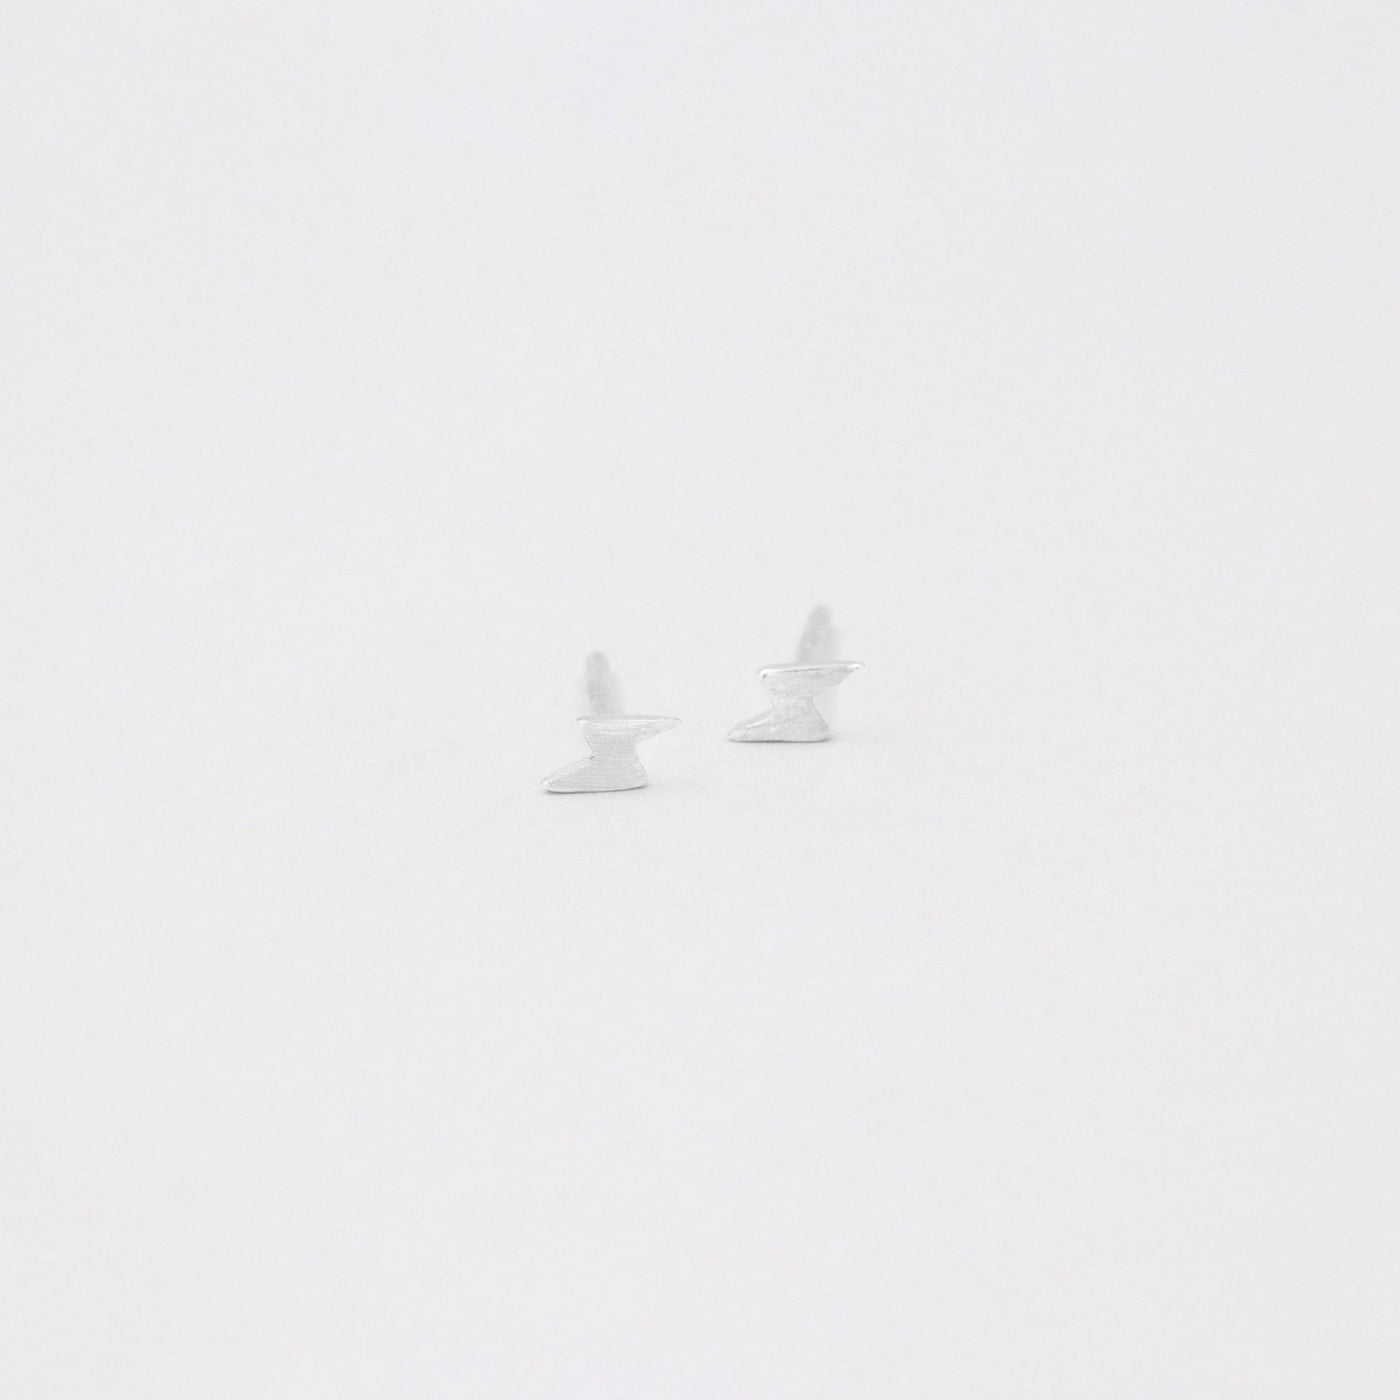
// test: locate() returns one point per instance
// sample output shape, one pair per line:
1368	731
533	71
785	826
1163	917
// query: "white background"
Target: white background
366	365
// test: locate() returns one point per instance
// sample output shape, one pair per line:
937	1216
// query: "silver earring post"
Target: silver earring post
793	688
612	765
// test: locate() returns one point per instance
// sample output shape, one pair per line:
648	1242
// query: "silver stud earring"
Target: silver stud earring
793	688
611	735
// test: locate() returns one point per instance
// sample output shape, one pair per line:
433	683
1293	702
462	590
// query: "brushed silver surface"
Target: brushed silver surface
793	688
612	737
613	764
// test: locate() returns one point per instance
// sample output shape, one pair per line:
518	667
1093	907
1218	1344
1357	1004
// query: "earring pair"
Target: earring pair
793	686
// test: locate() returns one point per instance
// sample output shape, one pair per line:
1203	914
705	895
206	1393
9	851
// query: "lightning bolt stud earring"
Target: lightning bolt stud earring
611	735
793	688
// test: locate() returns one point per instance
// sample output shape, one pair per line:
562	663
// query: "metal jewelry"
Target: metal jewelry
612	737
794	686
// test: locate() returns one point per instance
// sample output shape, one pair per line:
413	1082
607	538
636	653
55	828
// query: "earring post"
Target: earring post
600	683
818	639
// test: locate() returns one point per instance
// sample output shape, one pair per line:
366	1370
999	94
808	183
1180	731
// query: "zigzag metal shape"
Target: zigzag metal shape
613	764
793	689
